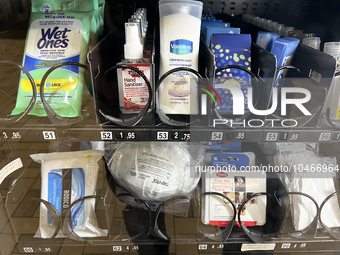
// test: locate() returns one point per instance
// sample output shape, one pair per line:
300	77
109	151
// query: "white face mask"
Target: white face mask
155	170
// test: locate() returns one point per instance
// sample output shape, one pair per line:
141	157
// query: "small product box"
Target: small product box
209	31
283	49
266	39
231	49
216	23
229	174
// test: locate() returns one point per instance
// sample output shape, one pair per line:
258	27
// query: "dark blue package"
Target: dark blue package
231	49
216	23
210	30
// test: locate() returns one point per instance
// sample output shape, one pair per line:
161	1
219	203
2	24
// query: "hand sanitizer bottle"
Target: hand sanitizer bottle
133	91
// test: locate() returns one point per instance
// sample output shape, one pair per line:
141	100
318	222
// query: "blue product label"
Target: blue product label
230	159
181	46
223	146
53	41
64	187
32	63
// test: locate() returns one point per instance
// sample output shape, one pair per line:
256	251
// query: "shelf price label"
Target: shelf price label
285	245
49	135
28	249
119	136
272	136
174	136
117	248
336	137
202	247
186	136
106	135
283	136
16	135
241	136
131	136
135	248
162	136
294	137
217	136
325	136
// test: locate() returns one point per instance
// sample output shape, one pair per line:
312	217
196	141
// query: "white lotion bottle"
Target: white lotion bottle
132	89
180	23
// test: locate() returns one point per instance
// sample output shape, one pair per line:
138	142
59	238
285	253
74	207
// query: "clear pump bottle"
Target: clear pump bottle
133	91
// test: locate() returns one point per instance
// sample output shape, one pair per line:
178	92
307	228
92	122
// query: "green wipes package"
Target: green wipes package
58	32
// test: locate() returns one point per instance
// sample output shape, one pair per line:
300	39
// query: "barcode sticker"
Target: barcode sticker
258	247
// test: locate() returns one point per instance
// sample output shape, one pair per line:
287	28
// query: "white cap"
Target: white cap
141	17
133	49
137	17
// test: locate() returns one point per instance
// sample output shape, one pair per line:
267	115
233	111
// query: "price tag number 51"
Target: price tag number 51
49	135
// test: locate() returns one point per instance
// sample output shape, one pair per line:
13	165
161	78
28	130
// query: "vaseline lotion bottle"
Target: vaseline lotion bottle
180	24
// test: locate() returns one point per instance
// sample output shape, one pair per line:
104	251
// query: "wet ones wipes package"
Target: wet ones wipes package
65	178
59	32
228	174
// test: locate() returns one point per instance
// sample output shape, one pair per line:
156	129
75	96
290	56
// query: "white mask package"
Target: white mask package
155	170
311	175
65	178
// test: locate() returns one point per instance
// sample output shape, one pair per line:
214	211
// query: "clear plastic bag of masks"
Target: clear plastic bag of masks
314	177
285	151
155	170
274	148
